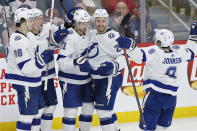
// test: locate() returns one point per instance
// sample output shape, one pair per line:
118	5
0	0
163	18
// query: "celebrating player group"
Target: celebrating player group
89	63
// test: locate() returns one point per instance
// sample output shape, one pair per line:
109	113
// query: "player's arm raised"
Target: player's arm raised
136	54
28	65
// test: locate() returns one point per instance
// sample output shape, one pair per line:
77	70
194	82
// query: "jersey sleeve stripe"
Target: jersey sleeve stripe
192	54
144	56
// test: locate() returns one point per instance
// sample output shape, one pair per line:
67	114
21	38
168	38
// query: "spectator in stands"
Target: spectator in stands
116	18
60	5
11	29
151	26
56	19
110	5
91	7
18	3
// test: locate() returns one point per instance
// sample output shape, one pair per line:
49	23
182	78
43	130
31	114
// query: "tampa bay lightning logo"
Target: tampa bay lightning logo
151	51
176	47
111	35
92	51
17	38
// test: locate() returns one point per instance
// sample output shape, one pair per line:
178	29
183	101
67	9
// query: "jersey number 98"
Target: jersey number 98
18	53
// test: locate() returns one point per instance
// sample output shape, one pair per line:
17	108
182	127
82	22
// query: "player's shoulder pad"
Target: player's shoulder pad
151	50
15	37
176	47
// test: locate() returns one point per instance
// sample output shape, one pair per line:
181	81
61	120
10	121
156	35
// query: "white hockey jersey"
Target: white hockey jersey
42	44
103	47
73	46
160	72
192	45
21	68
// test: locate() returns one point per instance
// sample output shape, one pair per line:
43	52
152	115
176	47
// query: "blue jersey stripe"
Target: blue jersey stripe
22	78
21	64
73	76
192	55
60	56
144	56
50	71
160	85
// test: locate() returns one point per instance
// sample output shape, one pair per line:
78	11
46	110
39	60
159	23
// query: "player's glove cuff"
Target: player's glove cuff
133	44
80	60
193	37
54	43
116	67
39	61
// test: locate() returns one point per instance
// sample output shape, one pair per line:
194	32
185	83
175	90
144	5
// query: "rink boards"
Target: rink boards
125	107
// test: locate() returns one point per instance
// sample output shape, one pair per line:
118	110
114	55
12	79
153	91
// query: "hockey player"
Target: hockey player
24	67
40	36
103	53
74	77
160	76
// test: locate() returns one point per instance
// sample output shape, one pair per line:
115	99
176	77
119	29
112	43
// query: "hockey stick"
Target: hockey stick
5	15
68	4
122	33
50	37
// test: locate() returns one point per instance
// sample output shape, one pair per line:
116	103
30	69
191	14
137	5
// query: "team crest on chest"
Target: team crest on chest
111	35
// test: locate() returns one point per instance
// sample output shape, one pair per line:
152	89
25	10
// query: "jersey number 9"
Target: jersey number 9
171	72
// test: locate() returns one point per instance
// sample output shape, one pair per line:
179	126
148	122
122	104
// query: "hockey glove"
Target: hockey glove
193	32
44	58
108	68
59	35
69	17
124	42
84	65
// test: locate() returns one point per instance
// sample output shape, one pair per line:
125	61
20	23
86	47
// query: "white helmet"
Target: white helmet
81	16
36	12
165	36
100	13
22	13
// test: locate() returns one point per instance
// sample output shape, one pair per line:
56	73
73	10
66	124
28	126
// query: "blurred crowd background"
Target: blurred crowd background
147	15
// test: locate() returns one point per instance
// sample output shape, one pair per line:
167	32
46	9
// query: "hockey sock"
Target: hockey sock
85	122
161	128
107	124
23	126
85	117
114	117
46	122
24	122
35	124
68	124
